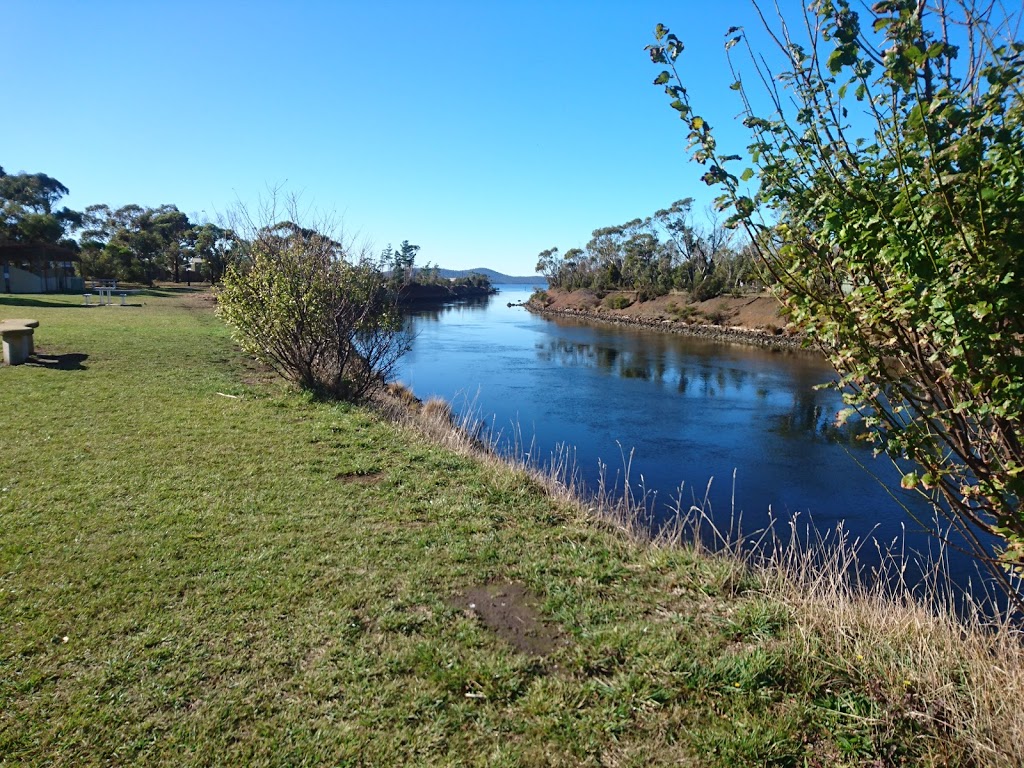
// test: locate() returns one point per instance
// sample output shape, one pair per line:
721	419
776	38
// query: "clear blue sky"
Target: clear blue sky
483	131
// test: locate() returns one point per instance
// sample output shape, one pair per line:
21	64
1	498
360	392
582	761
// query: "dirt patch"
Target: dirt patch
360	478
195	298
508	611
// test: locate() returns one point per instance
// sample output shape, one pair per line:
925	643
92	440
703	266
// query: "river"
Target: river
683	413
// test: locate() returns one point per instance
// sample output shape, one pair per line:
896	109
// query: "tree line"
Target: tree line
132	243
135	243
400	265
663	252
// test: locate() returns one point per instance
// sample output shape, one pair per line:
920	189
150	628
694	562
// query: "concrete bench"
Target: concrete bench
17	340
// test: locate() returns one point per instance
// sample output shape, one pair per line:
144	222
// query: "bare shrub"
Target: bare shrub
313	308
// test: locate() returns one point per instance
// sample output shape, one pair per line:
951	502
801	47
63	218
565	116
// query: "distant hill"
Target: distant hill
494	277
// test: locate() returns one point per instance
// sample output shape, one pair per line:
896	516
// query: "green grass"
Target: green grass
193	579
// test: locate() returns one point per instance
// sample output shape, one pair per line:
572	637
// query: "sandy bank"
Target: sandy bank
753	319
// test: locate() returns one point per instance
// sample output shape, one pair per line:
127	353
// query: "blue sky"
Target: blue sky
483	131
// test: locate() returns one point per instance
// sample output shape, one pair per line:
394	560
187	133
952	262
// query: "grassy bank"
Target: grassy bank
198	567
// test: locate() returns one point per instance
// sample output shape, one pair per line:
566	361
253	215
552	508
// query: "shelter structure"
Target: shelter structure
37	268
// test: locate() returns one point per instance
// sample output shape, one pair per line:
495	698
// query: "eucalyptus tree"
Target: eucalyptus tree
218	247
135	243
28	213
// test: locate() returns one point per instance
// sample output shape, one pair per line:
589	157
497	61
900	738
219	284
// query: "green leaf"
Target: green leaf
914	55
981	309
663	78
841	57
909	481
747	175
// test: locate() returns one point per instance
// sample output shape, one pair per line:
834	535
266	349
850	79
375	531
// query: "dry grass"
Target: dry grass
933	660
953	668
896	663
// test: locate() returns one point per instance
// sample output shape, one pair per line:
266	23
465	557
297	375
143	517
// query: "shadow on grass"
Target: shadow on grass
69	362
175	290
18	301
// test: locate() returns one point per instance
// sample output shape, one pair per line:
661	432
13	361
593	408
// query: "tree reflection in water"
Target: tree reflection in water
684	410
807	416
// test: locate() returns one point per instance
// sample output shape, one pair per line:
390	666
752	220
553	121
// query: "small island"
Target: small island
429	283
426	289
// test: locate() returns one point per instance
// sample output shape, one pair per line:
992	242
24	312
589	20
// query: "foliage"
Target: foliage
330	325
427	282
887	203
131	243
473	280
618	301
27	210
653	256
401	262
216	247
136	243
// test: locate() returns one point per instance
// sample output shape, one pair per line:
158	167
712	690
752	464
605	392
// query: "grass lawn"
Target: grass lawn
189	578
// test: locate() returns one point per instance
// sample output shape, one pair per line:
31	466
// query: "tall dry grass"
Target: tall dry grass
929	655
930	652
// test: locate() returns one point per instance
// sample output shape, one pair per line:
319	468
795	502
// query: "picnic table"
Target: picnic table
18	343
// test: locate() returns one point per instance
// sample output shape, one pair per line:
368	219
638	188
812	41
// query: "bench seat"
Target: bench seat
18	343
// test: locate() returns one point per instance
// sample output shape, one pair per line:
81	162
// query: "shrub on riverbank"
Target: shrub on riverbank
322	317
618	301
228	572
894	241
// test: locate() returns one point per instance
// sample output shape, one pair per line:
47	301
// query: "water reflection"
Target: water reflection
436	311
699	374
688	411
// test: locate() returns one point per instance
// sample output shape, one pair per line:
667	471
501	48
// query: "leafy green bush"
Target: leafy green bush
327	324
539	297
896	237
681	311
716	316
618	301
708	287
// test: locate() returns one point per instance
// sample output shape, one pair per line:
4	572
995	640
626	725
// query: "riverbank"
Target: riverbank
201	567
753	319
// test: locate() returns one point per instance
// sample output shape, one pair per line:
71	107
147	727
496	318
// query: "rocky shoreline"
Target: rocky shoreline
732	334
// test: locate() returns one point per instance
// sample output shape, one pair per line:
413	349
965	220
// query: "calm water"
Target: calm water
691	412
